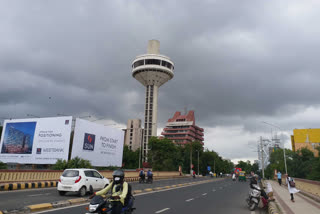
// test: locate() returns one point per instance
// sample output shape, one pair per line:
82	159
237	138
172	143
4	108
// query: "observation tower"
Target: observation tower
152	70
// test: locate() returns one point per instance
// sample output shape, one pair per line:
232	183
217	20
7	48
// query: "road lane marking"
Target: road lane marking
214	190
204	194
189	199
221	187
160	211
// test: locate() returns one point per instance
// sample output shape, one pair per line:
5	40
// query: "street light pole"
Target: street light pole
284	149
198	162
262	159
191	160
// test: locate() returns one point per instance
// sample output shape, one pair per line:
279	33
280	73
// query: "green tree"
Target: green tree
130	158
3	165
73	163
164	155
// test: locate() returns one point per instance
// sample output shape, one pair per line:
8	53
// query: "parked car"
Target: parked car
81	181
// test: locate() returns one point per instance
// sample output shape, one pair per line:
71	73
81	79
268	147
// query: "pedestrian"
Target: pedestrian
279	178
291	186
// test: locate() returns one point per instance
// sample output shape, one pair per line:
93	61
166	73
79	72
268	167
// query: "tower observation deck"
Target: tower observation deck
152	70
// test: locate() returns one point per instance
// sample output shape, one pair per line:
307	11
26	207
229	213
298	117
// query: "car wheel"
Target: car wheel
82	191
62	193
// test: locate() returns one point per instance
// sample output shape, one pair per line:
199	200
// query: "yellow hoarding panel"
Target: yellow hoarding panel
306	135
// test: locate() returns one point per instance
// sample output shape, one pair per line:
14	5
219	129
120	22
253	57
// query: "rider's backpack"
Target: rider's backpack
129	194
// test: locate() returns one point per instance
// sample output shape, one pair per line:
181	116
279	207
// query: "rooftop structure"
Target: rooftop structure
181	129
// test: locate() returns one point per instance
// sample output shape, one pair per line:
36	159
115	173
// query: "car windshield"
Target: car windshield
70	173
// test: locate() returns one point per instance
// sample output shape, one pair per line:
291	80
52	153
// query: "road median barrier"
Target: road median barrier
58	204
39	207
148	190
77	201
29	185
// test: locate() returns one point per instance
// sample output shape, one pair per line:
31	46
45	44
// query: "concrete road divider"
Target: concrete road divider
39	207
30	185
77	201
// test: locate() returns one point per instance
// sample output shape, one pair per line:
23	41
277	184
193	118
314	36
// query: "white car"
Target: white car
81	181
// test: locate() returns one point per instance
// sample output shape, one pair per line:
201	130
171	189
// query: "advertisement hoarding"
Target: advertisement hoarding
101	145
35	140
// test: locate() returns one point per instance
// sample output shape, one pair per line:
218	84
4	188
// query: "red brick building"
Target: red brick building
181	129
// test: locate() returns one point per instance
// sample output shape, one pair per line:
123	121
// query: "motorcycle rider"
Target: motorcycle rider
149	174
142	175
254	181
119	191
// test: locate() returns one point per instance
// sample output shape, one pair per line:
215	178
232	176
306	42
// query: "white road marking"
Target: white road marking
190	199
204	194
253	212
38	195
214	190
160	211
221	187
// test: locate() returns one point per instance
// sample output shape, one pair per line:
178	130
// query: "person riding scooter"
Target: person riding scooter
119	190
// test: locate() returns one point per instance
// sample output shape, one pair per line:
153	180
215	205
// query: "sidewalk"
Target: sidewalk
302	204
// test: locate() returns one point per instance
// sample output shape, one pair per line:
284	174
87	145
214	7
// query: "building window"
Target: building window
138	63
152	62
150	132
166	64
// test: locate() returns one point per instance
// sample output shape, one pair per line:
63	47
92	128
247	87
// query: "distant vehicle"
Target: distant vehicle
242	176
81	181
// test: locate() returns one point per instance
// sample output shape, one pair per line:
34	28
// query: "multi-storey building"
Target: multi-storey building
133	134
306	138
181	129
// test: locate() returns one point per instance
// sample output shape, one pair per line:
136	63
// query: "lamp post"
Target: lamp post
284	149
198	162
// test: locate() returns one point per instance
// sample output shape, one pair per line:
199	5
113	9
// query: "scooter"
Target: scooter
254	198
99	205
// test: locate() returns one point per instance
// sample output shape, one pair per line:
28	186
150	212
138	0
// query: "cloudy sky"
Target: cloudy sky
237	63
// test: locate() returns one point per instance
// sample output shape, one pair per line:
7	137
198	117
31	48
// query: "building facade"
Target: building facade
306	138
182	129
152	70
133	134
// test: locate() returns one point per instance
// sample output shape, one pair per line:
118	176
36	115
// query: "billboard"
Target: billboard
101	145
36	140
306	135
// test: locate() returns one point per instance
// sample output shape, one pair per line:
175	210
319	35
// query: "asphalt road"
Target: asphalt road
18	199
224	196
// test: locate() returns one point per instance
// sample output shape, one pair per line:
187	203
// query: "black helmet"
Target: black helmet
118	176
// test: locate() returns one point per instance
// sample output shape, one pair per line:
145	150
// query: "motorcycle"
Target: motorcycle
254	198
142	179
99	205
149	179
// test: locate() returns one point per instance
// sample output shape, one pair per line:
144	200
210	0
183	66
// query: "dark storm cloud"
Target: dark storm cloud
235	63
